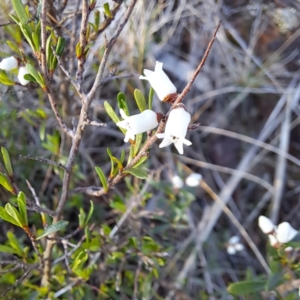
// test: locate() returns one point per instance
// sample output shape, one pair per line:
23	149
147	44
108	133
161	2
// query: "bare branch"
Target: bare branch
94	123
43	40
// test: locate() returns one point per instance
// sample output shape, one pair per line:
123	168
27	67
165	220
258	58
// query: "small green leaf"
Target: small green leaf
112	164
102	178
22	208
120	166
150	99
137	172
107	10
7	162
53	228
138	142
13	46
7	249
5	182
5	80
122	103
141	161
36	75
20	10
14	243
6	217
109	110
36	42
91	210
97	19
12	211
29	78
81	217
246	287
140	100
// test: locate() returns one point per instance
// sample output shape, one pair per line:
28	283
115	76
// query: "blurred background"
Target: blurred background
246	99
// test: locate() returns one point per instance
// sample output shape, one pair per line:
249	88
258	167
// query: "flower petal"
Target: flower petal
143	77
187	142
265	224
179	146
122	113
231	250
123	124
166	142
234	240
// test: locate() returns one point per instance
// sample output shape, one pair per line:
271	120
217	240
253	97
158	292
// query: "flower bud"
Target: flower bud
177	182
22	72
159	81
9	63
266	225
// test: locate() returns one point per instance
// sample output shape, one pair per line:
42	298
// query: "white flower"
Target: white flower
9	63
273	240
23	71
139	123
266	225
177	182
159	81
176	129
193	179
285	233
234	245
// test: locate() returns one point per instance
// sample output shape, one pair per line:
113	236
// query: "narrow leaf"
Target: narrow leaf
150	99
5	80
140	100
20	10
102	178
137	172
246	287
141	161
22	207
138	142
12	211
109	110
7	162
5	182
91	210
37	76
7	249
53	228
6	217
122	103
107	10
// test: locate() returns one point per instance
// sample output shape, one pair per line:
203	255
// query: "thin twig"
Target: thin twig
45	161
90	190
44	39
94	123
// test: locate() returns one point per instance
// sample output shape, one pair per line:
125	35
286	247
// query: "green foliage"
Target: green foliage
7	162
246	287
140	100
54	228
137	172
102	178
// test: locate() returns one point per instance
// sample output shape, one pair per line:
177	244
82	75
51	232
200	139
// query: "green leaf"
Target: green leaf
36	75
13	46
36	42
246	287
109	110
102	178
141	161
7	249
122	103
5	80
6	217
107	10
12	211
112	164
20	10
138	142
22	208
97	19
7	162
140	100
14	243
81	217
120	166
53	228
137	172
274	280
91	210
150	99
5	182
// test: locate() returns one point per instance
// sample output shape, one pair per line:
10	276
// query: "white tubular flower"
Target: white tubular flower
139	123
176	129
177	182
266	225
22	72
285	233
193	179
234	245
159	81
9	63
